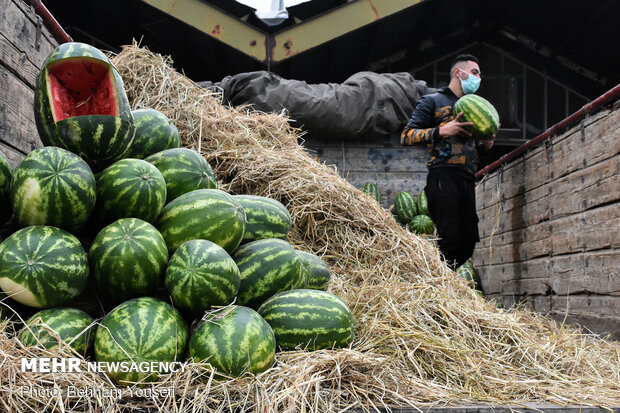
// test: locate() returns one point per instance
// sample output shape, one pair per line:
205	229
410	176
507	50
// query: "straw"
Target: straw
424	337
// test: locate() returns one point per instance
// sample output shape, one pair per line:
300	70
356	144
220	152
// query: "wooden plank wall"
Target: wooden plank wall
24	44
382	160
550	225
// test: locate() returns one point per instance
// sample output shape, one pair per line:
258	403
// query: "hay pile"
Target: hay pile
424	337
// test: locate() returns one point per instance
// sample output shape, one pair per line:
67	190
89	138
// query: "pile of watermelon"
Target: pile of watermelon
113	211
411	212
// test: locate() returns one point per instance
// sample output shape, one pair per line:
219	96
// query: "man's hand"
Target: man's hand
455	127
488	144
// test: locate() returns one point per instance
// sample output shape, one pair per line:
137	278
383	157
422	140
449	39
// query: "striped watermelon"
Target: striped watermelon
6	175
422	204
53	186
422	224
469	273
80	105
267	267
184	170
372	190
128	259
481	112
265	217
42	266
317	272
309	319
406	206
129	188
234	340
71	325
201	274
154	133
209	214
141	330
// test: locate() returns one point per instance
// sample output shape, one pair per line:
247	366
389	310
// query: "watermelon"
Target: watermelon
422	224
372	190
234	340
309	319
80	105
469	273
71	325
129	188
422	204
267	267
265	217
481	112
209	214
184	170
405	206
154	133
201	274
141	330
55	187
317	272
128	259
42	266
6	175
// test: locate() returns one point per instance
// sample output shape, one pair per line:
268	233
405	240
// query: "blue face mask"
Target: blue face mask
471	84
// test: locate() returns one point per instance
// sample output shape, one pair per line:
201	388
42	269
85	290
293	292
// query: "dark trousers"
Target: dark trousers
451	197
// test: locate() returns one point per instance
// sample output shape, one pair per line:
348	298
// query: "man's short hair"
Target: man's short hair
465	58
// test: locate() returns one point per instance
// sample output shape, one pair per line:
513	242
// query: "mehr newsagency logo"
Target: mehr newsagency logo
77	365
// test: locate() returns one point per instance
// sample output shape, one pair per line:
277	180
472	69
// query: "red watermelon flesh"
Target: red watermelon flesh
82	86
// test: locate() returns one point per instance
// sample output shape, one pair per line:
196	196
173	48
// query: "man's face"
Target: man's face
464	69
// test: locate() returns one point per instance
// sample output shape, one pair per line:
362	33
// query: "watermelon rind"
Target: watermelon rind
71	325
209	214
422	224
129	188
141	330
184	170
55	187
406	207
128	259
234	340
265	218
481	112
309	320
43	266
372	190
201	274
317	271
99	139
267	267
422	204
155	132
468	272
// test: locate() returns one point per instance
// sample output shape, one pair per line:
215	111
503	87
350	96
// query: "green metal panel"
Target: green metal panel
289	42
335	23
217	24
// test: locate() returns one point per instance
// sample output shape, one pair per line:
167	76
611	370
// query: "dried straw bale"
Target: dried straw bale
424	336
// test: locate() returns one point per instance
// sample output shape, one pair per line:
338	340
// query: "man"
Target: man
450	184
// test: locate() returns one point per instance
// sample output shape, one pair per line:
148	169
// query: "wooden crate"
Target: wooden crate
550	224
24	44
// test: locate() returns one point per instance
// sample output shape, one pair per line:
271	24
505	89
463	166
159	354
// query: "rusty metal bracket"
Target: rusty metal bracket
37	37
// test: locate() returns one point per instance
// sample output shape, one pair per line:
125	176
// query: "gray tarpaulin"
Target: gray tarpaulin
366	104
